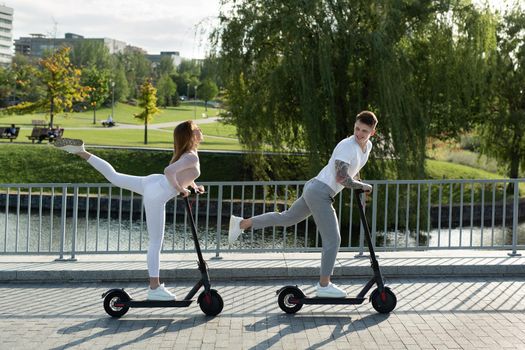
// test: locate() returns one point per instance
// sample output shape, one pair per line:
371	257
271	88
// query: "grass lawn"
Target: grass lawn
135	138
124	114
216	129
437	169
452	152
218	136
446	170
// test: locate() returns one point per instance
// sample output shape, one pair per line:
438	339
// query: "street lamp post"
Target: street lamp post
112	100
195	104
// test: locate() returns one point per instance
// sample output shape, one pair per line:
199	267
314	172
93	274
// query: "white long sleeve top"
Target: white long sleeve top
184	171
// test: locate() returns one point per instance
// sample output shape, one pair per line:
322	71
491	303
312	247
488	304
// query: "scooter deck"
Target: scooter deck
157	303
331	301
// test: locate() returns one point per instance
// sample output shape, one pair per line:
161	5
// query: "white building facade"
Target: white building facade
6	35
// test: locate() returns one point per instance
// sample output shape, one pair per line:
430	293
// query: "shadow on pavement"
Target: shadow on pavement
111	326
343	325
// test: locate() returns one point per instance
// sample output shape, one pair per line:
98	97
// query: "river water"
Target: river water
44	235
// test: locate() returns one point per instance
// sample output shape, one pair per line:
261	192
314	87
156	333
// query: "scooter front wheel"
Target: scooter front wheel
383	302
210	302
286	295
112	301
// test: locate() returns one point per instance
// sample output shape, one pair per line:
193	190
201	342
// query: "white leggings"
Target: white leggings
155	191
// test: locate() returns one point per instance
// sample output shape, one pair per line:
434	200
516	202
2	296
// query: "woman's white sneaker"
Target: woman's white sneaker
330	291
160	293
235	228
70	145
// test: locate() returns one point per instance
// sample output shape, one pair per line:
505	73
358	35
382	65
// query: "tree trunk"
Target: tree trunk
145	131
94	115
51	112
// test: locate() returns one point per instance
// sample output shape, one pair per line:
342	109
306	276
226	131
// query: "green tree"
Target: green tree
207	91
137	69
297	73
211	69
187	77
121	84
96	83
19	82
165	66
191	67
89	53
7	86
148	102
166	89
62	86
502	127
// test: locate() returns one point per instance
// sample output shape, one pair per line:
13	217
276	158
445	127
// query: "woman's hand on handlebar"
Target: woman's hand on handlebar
199	189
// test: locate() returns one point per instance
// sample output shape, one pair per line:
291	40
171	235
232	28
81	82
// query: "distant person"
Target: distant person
11	131
108	122
347	159
156	190
51	134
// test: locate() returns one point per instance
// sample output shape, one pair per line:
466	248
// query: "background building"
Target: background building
36	45
174	55
6	35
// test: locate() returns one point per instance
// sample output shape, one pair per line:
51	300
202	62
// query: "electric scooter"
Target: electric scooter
117	302
291	299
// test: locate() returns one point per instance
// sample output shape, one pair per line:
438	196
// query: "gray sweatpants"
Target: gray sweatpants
316	200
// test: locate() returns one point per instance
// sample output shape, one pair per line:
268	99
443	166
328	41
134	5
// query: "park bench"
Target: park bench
39	134
38	122
4	135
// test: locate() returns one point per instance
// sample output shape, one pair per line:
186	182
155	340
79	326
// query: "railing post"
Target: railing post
219	223
75	224
63	224
515	214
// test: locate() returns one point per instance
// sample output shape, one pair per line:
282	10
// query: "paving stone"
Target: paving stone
432	313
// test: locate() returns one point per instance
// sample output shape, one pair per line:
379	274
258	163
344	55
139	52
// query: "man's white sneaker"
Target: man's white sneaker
235	228
160	293
330	291
70	145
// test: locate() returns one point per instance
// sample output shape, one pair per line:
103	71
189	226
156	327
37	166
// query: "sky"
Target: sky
160	25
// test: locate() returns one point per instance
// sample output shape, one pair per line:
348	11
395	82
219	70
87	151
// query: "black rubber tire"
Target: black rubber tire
210	302
385	303
285	295
113	297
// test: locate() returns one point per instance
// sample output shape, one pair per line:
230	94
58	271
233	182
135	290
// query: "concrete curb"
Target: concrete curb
274	273
257	266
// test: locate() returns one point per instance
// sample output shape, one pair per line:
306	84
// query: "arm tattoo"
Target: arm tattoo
342	177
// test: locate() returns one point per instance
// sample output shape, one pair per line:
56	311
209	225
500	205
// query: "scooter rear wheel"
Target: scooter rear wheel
383	302
284	300
113	298
210	302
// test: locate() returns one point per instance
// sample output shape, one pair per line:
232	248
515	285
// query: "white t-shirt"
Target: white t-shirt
348	151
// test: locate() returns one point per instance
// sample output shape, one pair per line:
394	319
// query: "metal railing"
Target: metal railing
71	219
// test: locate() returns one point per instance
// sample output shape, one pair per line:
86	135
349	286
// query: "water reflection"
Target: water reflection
43	234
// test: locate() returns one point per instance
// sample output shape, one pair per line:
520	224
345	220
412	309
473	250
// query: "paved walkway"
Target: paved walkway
432	313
